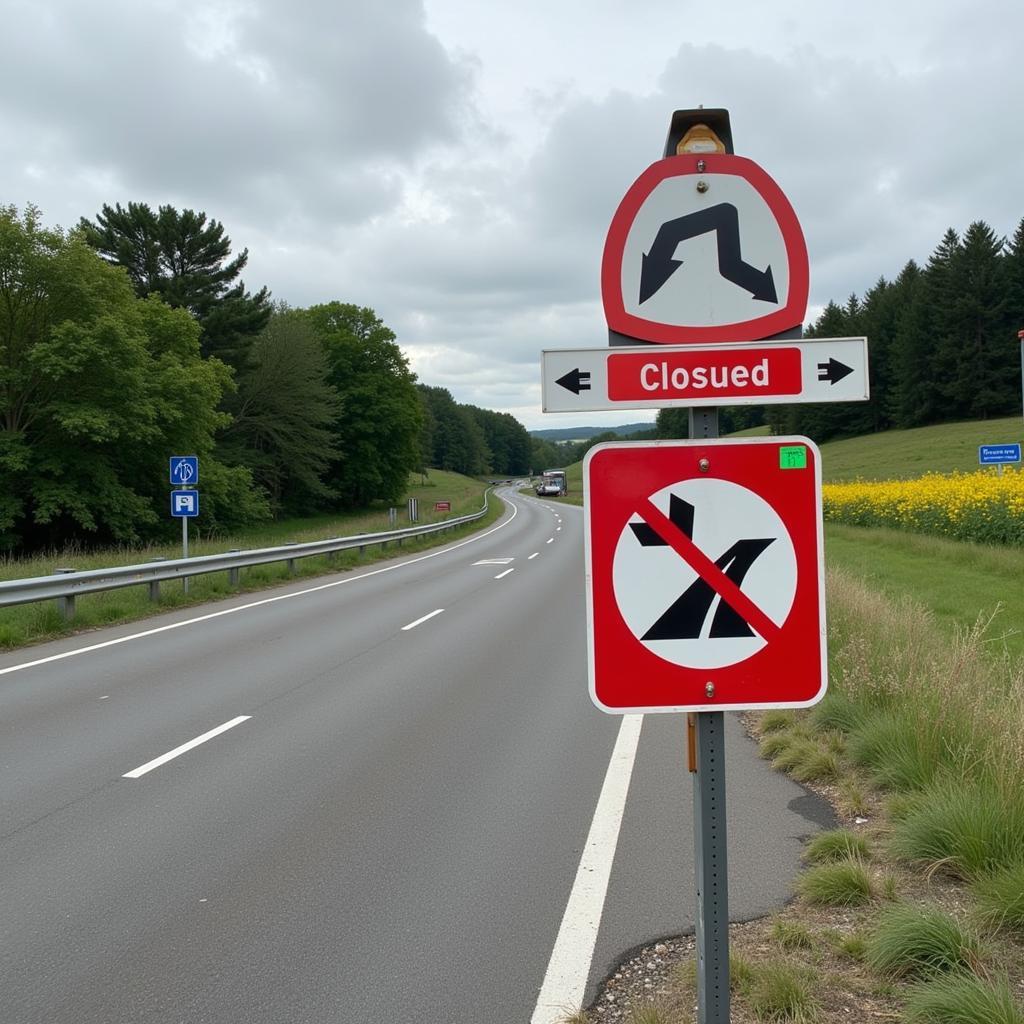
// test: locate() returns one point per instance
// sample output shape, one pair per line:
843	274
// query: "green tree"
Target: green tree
98	389
977	348
283	415
544	454
185	259
506	439
457	440
377	431
913	398
673	423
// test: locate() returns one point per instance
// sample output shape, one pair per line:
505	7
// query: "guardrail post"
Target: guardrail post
65	605
235	574
291	561
154	585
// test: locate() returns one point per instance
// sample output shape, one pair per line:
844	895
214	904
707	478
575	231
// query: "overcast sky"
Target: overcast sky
455	163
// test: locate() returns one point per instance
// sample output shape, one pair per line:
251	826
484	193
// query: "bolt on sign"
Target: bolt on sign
705	578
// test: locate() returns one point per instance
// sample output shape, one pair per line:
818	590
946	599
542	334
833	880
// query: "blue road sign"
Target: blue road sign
185	470
184	504
993	454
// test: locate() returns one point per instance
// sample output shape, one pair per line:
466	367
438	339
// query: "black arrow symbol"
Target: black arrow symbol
833	371
575	381
658	265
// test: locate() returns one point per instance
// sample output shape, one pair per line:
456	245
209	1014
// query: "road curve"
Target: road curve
362	797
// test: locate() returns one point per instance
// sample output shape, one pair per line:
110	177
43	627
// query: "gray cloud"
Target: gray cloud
456	169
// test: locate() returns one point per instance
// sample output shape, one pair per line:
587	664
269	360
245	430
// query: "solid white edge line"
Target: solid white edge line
422	618
534	555
256	604
565	980
136	773
502	575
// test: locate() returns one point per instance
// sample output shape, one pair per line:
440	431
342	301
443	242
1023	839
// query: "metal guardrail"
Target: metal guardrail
65	585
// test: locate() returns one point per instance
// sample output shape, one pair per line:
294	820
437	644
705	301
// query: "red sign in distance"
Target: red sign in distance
725	374
442	506
769	233
705	580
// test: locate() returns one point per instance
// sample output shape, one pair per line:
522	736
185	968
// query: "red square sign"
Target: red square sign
705	574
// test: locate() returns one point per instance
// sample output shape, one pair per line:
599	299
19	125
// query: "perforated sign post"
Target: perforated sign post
704	557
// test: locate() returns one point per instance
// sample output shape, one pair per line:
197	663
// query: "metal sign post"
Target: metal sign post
710	835
184	548
184	473
735	294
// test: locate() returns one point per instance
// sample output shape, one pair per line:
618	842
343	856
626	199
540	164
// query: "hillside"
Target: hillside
892	454
584	433
903	454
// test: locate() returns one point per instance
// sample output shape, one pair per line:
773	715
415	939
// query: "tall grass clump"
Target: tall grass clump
935	718
779	993
970	829
921	942
836	844
963	999
842	884
1000	898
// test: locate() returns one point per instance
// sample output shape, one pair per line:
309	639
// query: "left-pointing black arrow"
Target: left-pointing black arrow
833	371
575	381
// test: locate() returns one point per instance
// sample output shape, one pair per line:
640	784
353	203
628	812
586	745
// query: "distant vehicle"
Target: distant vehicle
554	477
548	488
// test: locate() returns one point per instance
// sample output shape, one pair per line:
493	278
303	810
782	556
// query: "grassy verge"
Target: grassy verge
41	621
914	910
958	582
907	454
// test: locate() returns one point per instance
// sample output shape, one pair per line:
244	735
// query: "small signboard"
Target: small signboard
184	504
184	470
442	506
704	248
998	454
659	377
705	587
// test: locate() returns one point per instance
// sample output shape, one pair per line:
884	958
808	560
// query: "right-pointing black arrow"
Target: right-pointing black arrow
833	371
575	381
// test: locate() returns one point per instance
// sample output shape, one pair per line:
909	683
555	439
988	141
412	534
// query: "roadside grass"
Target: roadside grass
920	942
32	623
963	999
836	845
901	565
781	992
843	883
1000	899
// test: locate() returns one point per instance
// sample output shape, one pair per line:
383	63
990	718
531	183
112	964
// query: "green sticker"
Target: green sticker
793	456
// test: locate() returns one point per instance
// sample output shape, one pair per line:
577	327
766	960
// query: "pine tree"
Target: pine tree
184	258
912	398
977	383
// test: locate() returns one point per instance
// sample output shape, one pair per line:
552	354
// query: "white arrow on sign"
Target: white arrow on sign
681	376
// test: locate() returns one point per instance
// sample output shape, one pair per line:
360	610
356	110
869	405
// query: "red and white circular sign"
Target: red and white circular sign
705	574
704	248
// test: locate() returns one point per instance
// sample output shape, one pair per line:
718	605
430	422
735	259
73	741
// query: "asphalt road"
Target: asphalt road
390	833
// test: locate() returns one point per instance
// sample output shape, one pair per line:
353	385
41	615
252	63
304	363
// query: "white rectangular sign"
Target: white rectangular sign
666	376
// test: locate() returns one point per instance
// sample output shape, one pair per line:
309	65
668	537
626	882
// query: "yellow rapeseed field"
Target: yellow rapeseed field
981	506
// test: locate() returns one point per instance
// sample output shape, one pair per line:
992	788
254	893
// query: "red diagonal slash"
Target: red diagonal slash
708	571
